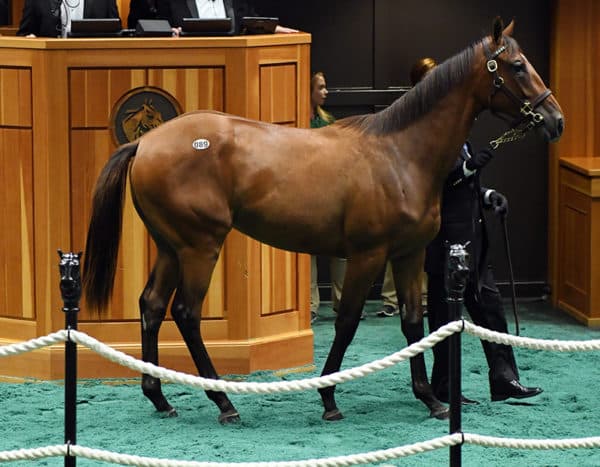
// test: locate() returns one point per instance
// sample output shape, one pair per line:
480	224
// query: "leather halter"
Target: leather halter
529	118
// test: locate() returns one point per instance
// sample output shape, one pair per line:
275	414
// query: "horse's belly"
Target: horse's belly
291	235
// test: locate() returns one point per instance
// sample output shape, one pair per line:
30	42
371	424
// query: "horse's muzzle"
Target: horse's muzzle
553	127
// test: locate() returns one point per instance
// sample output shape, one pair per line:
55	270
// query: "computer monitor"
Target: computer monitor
258	25
95	27
153	28
207	27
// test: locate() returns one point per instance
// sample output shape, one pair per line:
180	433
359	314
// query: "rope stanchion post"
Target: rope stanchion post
70	290
457	271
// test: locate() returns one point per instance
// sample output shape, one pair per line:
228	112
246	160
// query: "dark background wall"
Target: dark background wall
366	49
4	12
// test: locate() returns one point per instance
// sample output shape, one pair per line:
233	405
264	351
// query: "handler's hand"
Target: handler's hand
499	203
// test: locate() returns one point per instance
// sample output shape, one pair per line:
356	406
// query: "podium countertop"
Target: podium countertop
258	40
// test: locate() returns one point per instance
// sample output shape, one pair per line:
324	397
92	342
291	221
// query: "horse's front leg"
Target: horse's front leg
408	288
362	269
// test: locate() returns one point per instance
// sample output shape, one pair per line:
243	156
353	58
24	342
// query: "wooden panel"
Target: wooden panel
593	242
575	230
278	97
17	10
94	92
15	89
278	280
194	88
214	301
16	217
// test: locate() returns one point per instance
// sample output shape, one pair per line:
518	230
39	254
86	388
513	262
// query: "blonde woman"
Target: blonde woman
319	118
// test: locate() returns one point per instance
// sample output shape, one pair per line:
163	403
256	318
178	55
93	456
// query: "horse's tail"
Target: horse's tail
104	231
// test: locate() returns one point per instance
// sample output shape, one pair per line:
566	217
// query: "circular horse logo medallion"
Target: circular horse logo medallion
140	110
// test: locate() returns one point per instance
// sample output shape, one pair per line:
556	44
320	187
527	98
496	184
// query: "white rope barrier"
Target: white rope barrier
127	459
33	344
59	450
545	444
531	343
271	387
352	459
300	385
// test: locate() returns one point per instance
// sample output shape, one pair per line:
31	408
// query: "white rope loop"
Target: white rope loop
127	459
352	459
271	387
531	343
541	444
33	344
59	450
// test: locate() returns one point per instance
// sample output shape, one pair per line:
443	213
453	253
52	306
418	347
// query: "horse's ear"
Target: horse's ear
497	28
508	31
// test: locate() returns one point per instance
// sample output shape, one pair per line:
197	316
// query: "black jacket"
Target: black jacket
42	17
462	220
175	10
141	9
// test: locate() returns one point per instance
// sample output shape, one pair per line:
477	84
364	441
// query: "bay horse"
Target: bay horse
366	188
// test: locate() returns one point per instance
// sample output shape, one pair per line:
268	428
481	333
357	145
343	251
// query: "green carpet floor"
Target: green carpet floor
380	409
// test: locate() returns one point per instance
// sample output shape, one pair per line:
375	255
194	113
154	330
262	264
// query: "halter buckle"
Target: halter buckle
492	66
498	81
526	108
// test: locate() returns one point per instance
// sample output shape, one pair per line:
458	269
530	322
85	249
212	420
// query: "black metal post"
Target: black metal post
457	271
70	289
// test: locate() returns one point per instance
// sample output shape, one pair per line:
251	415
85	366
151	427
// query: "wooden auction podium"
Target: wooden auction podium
579	239
56	100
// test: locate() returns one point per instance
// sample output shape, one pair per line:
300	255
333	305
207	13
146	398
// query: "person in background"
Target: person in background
462	221
319	118
175	10
388	294
51	18
390	299
141	9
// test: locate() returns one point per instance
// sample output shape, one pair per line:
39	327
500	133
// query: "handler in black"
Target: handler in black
463	201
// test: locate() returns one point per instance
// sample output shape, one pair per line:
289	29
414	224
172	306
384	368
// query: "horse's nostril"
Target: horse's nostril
560	126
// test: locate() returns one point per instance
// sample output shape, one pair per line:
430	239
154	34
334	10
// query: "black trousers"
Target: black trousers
486	310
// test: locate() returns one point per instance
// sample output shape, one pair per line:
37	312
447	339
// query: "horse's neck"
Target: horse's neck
445	129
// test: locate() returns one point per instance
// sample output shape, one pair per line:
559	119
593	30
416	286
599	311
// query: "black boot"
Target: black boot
502	390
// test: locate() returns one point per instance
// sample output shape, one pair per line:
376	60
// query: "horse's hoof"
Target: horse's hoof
332	415
169	412
231	416
441	413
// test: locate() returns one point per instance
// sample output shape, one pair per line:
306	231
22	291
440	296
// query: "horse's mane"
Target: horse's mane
420	99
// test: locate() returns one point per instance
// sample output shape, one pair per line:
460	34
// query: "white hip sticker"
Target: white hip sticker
201	144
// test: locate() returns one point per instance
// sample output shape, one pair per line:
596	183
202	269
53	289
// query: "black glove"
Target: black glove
479	160
499	203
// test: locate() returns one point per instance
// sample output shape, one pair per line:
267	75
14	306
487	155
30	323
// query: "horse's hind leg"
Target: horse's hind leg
361	271
153	306
197	265
407	277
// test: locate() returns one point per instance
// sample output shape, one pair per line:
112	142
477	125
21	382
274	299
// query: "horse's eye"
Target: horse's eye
519	68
